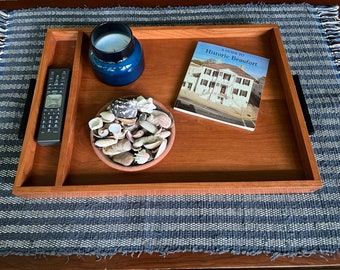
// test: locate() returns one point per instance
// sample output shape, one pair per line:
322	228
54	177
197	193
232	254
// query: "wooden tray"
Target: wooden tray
207	157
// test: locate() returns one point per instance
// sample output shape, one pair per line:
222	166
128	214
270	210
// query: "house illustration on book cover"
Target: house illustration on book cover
224	85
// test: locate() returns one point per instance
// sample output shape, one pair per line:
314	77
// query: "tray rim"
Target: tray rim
234	187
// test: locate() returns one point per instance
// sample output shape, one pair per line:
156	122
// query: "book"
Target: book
224	85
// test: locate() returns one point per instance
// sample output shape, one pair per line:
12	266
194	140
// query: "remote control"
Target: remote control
53	112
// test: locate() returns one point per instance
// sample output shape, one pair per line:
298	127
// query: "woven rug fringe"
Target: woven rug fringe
329	18
3	29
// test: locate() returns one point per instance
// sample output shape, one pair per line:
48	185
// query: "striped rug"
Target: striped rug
277	225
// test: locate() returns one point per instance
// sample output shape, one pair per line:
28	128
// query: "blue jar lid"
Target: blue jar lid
112	41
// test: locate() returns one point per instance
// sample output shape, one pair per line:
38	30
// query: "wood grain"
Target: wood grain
220	159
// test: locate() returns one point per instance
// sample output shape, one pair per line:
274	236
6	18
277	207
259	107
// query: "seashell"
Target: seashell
130	127
142	157
139	142
164	120
161	148
138	134
115	128
107	116
124	108
143	117
144	140
120	147
152	120
148	126
110	150
124	145
105	142
164	134
153	145
129	136
101	132
136	149
95	123
124	159
122	134
145	105
158	112
128	121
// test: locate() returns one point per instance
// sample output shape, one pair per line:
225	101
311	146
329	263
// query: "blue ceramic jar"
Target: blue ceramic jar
115	54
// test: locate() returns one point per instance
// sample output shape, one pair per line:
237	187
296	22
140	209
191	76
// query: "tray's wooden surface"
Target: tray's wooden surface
207	157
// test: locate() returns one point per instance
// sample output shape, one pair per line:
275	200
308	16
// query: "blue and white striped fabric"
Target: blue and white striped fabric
278	225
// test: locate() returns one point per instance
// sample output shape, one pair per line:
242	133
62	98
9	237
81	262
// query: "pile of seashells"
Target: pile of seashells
131	131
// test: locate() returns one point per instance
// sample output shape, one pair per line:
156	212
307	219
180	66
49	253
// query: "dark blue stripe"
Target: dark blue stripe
254	235
216	220
258	202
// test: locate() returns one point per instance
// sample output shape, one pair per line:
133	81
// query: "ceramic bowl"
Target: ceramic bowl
108	160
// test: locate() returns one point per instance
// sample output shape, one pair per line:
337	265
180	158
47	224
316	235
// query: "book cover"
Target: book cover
224	85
